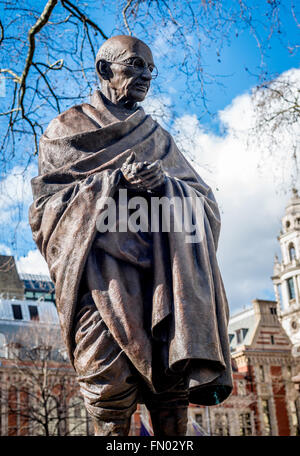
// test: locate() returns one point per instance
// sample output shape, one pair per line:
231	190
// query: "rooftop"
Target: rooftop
242	326
15	311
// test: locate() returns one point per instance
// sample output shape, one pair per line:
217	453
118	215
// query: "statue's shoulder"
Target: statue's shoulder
162	129
75	120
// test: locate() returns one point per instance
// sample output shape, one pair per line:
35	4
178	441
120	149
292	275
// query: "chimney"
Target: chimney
266	312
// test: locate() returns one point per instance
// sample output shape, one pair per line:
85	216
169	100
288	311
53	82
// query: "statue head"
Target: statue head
125	68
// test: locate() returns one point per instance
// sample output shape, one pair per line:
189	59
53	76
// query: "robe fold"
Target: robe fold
80	157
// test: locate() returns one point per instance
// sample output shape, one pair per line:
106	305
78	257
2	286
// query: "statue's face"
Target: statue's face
131	83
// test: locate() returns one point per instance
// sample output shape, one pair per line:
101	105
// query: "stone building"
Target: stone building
11	285
38	386
286	278
15	285
38	287
264	400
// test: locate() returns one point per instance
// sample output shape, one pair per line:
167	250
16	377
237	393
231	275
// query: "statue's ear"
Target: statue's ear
103	69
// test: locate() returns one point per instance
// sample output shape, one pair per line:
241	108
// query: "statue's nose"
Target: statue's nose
146	74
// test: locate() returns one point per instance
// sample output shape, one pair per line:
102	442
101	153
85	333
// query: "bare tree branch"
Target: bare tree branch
1	32
42	394
124	11
42	20
80	15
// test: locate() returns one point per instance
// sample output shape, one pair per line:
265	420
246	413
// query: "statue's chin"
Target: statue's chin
139	99
137	95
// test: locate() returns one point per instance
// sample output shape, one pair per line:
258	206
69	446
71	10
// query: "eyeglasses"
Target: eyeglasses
139	65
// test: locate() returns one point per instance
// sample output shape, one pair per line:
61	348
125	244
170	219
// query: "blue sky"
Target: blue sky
251	203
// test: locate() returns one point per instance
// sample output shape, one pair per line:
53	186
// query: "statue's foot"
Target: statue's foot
111	428
169	422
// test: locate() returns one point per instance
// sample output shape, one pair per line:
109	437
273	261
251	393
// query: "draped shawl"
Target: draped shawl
80	157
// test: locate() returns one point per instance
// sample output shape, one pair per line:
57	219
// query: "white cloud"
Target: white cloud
15	192
158	108
33	263
248	195
162	47
5	250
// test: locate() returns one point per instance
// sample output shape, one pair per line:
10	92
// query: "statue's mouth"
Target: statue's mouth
141	87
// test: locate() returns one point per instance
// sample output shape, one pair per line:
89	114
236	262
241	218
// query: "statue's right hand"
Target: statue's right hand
130	170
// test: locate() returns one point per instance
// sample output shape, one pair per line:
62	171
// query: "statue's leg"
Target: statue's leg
170	421
106	377
169	411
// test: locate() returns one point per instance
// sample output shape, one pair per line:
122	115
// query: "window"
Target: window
294	325
13	350
273	310
48	297
240	335
245	424
292	252
23	412
199	419
231	336
241	388
261	373
294	416
41	352
221	424
272	340
76	417
266	417
13	418
53	415
33	312
291	288
17	312
3	346
63	354
29	295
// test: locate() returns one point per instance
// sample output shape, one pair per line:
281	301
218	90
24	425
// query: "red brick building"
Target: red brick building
264	400
38	386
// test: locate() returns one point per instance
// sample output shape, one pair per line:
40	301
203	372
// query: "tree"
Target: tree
52	48
54	40
39	391
277	116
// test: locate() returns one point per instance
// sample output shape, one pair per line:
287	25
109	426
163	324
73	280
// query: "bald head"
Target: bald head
124	65
121	47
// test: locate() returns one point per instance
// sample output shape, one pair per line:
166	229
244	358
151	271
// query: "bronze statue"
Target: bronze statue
143	313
